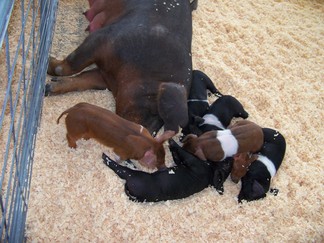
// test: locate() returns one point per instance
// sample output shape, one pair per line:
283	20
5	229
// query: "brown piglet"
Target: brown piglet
128	139
237	141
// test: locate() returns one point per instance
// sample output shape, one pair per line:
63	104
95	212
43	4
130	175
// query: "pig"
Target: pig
197	101
221	112
218	116
256	182
241	164
242	137
198	104
128	139
143	50
189	176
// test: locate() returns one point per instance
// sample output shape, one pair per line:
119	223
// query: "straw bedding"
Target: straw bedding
269	55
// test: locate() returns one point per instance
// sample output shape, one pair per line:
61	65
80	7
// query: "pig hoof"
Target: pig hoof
59	70
55	67
51	64
47	90
274	191
220	190
55	79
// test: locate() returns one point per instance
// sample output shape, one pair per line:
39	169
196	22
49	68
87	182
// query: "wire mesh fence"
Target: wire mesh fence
26	28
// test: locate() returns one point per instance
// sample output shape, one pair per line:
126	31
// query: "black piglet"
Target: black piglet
189	176
256	182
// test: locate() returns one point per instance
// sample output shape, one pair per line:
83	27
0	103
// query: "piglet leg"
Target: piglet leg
183	157
121	171
174	148
71	141
222	171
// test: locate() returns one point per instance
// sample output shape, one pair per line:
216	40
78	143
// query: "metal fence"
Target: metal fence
26	29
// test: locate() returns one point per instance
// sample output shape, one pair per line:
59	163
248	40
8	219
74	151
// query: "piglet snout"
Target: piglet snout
235	179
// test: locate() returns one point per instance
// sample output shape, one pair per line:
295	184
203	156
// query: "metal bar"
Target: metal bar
24	102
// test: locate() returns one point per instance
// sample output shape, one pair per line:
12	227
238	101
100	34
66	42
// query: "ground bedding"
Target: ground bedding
268	54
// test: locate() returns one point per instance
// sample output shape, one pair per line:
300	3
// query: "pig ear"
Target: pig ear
257	190
200	154
165	136
149	159
189	137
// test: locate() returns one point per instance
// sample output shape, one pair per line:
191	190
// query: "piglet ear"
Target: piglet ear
189	137
165	136
257	190
149	159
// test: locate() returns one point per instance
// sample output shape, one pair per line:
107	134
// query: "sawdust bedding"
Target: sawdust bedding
268	54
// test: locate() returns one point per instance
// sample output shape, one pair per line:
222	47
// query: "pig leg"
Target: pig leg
121	171
181	156
91	79
71	141
174	147
222	171
193	5
86	54
72	64
75	130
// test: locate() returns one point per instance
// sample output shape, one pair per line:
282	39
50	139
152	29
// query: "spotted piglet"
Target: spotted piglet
256	182
242	137
198	104
219	115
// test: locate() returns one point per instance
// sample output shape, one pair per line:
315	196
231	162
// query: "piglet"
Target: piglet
128	139
219	115
256	182
242	137
197	99
198	104
189	176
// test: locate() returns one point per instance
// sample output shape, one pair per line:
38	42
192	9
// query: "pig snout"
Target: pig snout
149	160
234	179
